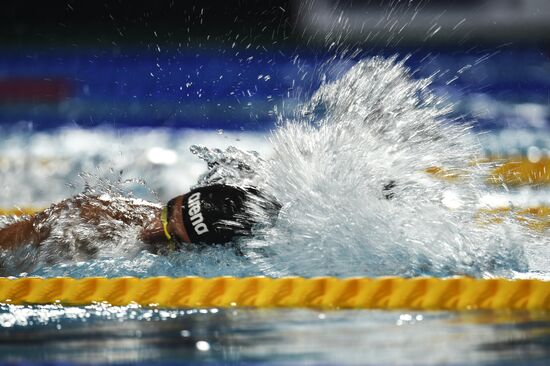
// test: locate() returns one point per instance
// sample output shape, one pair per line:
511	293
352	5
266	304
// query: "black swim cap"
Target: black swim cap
219	213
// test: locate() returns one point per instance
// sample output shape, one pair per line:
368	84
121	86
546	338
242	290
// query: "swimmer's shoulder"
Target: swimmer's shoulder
126	209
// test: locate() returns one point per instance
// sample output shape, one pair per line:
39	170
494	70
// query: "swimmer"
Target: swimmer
209	215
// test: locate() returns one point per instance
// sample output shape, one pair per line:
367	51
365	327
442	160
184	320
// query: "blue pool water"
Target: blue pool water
215	88
103	128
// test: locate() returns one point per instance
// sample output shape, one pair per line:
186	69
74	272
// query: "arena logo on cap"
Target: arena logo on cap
195	213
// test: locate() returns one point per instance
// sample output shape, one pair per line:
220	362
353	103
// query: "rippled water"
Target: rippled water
104	334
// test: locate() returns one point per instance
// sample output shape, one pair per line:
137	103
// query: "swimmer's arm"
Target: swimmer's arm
31	230
20	233
34	230
152	232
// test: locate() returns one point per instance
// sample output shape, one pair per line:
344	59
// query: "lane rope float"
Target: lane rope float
421	293
19	211
521	171
513	171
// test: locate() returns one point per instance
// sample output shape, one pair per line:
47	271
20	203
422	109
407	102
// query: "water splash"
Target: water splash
372	131
349	168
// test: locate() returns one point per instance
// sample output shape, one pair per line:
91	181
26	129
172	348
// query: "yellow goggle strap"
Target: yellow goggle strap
164	219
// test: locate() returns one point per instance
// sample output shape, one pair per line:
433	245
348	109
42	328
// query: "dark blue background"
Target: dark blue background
228	88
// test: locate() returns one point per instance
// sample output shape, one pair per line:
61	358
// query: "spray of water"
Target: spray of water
350	172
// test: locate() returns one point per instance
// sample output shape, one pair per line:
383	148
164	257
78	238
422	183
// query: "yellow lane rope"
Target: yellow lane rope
535	218
19	211
514	171
422	293
520	171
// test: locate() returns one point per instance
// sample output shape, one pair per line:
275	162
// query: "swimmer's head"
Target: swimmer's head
219	213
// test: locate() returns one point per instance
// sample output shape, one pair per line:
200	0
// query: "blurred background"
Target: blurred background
121	89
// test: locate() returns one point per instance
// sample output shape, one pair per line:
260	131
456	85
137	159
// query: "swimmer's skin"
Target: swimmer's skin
35	229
